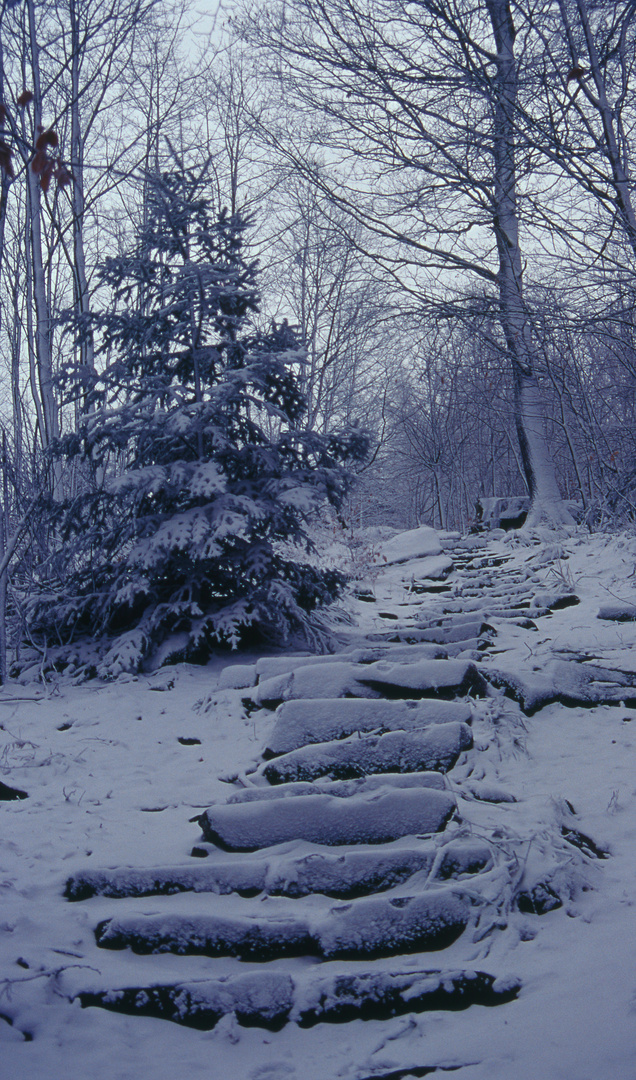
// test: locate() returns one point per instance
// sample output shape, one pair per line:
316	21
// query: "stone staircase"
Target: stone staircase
346	857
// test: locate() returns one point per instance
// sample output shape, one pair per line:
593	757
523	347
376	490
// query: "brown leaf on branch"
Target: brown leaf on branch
3	114
6	164
46	138
576	73
25	97
62	174
39	161
45	175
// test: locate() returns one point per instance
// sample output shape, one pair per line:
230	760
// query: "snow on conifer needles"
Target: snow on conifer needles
203	479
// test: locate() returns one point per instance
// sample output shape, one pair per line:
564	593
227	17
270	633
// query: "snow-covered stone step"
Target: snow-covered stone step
424	678
415	544
372	818
409	636
566	682
240	676
432	568
617	612
446	635
362	929
507	593
342	789
9	794
271	999
378	995
300	722
437	748
400	652
346	875
451	647
268	667
243	676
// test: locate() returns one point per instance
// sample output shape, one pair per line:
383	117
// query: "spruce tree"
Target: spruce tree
190	540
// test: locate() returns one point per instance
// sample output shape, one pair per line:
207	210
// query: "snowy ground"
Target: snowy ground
110	784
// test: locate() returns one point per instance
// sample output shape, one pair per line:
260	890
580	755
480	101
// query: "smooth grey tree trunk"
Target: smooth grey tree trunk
547	503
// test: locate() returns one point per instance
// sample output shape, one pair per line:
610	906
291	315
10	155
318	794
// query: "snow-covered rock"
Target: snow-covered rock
300	722
245	936
617	611
413	544
268	999
371	818
342	789
382	926
423	678
264	998
564	681
436	748
371	927
433	568
237	676
345	875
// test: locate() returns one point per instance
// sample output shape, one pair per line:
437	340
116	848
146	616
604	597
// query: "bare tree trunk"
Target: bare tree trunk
4	511
50	429
82	299
539	470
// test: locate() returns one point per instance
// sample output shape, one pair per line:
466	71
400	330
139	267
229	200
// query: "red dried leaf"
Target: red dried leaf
39	161
3	113
25	97
62	174
576	73
47	138
45	175
5	159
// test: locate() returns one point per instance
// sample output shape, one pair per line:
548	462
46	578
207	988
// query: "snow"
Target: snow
340	679
310	870
373	817
414	544
371	927
340	788
110	786
302	722
382	926
437	748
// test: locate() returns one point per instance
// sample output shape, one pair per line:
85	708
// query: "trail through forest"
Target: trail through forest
411	857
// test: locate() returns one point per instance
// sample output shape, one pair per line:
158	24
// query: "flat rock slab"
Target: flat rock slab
379	995
301	722
268	667
342	876
414	544
372	927
10	794
374	818
342	789
566	682
617	612
411	636
271	999
424	678
429	568
437	748
237	677
257	999
444	635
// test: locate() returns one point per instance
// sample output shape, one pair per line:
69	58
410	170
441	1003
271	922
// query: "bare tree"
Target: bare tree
416	141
